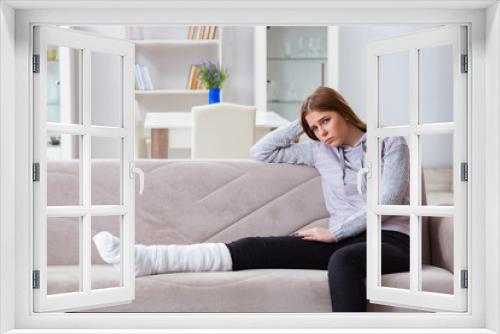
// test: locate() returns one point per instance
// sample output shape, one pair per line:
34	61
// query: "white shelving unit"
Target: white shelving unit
172	92
290	62
174	42
168	55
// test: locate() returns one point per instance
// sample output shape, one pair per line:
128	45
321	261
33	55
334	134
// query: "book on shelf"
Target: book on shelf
196	77
214	32
139	80
190	77
207	32
142	78
202	32
148	84
200	83
193	32
210	31
193	73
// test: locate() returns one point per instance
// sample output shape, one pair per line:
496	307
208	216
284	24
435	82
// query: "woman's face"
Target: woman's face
328	126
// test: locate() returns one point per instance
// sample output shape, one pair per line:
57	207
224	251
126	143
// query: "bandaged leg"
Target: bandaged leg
158	259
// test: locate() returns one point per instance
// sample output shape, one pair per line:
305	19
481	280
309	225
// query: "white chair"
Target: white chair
222	130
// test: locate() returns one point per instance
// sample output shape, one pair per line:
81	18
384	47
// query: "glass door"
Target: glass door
297	59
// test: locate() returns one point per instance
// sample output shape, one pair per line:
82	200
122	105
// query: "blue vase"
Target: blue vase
214	95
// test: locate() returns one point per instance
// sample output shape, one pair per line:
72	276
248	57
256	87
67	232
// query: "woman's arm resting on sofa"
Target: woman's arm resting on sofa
277	146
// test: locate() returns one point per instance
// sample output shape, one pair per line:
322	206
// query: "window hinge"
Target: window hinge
36	63
36	172
36	279
465	279
465	64
464	175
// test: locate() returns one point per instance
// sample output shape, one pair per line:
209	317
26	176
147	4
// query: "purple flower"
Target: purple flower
212	75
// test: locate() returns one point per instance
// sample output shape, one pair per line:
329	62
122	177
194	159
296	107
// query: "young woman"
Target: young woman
337	150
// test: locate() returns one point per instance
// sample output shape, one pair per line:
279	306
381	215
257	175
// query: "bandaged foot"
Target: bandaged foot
108	247
159	259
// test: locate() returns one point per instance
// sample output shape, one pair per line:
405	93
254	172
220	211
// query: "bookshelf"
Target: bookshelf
168	54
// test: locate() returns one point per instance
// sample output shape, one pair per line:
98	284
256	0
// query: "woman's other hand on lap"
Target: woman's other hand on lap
316	234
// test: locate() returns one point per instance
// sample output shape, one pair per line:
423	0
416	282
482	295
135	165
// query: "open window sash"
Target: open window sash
454	39
83	47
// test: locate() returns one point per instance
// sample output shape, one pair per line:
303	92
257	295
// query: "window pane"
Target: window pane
107	90
436	84
394	89
64	84
63	254
437	254
64	167
394	159
105	275
395	266
437	169
106	170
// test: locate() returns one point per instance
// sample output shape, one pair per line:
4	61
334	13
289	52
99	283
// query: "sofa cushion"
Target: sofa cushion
258	290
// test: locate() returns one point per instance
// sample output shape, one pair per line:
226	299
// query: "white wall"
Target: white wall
352	61
238	57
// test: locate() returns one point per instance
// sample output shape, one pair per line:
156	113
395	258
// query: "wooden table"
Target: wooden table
161	122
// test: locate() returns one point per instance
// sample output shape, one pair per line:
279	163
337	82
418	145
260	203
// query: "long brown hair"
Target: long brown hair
328	99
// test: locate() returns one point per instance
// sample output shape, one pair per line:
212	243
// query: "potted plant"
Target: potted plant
212	76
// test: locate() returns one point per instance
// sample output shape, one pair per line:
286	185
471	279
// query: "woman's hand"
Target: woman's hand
317	234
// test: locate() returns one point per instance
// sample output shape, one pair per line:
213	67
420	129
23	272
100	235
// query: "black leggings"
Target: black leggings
344	260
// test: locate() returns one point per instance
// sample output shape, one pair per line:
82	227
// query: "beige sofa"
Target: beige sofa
219	201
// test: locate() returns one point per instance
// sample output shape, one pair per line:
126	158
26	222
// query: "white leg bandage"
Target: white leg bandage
196	257
158	259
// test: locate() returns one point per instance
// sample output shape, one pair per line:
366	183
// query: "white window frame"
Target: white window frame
411	44
87	44
16	217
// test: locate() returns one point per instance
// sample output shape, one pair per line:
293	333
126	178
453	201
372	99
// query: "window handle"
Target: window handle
359	176
136	170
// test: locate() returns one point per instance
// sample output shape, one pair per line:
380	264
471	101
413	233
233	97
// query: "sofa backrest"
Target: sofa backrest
196	201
